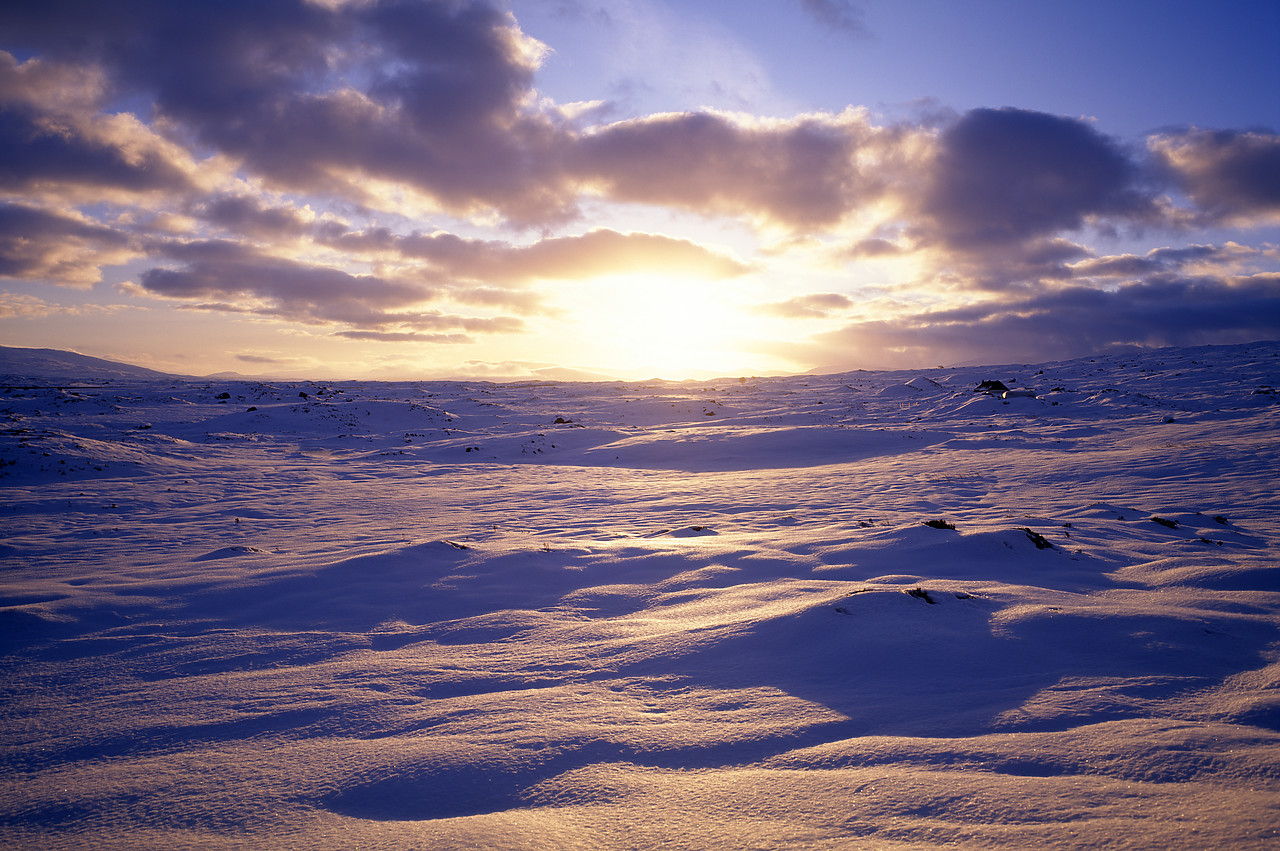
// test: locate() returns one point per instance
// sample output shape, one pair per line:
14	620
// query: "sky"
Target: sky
631	189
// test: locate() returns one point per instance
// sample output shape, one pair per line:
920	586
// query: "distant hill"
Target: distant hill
52	364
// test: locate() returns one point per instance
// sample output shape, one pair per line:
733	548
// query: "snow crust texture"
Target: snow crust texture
869	610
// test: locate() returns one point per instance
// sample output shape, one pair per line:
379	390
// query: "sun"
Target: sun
663	327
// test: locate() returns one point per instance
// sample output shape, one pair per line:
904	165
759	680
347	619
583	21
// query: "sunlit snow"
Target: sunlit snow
863	610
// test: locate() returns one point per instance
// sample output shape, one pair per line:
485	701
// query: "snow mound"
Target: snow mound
861	609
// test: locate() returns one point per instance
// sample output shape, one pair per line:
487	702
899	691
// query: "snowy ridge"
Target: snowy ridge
859	610
52	364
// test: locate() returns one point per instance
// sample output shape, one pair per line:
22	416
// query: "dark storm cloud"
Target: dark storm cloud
1073	321
1005	176
1230	175
228	277
40	245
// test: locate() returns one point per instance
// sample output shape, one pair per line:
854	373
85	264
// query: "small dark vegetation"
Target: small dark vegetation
939	524
1165	522
921	594
1041	542
1218	518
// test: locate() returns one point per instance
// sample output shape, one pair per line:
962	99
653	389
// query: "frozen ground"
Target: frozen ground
641	615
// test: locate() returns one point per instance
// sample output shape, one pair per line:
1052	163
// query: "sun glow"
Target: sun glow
664	327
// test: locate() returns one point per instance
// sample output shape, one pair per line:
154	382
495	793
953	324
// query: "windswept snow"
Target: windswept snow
629	615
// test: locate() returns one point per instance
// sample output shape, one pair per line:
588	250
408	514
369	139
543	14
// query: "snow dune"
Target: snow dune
863	610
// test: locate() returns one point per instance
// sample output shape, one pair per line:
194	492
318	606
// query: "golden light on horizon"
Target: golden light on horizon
644	326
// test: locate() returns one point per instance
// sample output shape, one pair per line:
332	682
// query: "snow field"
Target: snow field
686	615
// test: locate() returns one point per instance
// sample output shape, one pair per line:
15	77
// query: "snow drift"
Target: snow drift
862	610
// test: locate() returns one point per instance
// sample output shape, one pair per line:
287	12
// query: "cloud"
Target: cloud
248	216
430	100
390	103
370	166
998	199
395	105
1073	321
874	247
21	306
264	359
405	337
597	252
524	302
1026	266
57	248
54	140
233	278
817	305
837	15
54	87
436	97
1005	176
498	273
1232	176
607	252
1159	261
797	174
